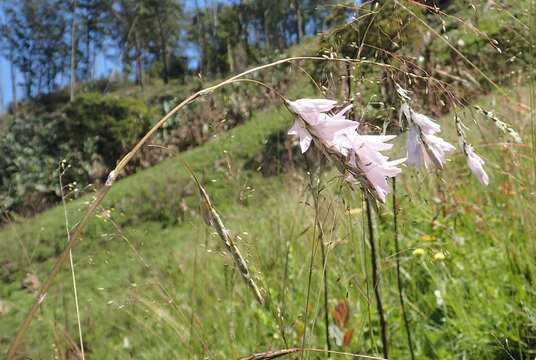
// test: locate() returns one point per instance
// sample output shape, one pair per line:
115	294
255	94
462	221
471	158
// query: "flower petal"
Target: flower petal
305	138
427	125
476	163
311	105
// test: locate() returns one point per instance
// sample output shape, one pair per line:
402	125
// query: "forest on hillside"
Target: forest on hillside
44	40
54	49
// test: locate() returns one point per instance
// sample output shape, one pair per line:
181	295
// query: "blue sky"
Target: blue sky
105	62
103	67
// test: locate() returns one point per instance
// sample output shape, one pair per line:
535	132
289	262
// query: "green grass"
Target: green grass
155	282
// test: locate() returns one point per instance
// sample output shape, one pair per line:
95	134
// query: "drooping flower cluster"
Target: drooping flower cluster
475	162
424	146
358	156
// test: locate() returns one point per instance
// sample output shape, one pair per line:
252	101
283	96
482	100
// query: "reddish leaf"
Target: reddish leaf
340	314
347	337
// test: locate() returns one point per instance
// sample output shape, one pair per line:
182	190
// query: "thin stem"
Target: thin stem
126	159
376	281
213	218
306	316
71	263
398	277
193	298
532	94
326	294
365	273
316	195
103	192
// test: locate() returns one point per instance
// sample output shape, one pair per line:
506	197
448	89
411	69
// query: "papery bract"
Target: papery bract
301	132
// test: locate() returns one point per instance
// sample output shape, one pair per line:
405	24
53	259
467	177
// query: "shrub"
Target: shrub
108	125
90	134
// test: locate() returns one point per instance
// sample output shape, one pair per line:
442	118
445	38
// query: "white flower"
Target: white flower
365	156
300	131
403	93
326	128
360	155
302	106
476	163
439	298
424	147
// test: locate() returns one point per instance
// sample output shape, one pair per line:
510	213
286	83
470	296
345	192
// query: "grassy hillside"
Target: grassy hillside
155	282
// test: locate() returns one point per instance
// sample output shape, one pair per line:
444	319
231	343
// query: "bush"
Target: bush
90	134
106	125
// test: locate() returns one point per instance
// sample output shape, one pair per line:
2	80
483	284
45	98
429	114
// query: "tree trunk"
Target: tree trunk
244	31
139	61
266	28
202	40
299	20
163	51
28	78
1	95
73	52
165	62
89	75
13	82
230	56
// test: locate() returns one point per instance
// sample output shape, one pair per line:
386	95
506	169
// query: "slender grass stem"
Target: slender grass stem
309	279
398	277
376	281
193	298
326	294
71	263
365	273
316	196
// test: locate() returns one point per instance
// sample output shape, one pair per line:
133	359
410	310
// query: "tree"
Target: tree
93	16
124	29
164	22
73	54
34	33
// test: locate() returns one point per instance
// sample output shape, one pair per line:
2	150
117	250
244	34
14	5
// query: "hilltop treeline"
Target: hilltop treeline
152	38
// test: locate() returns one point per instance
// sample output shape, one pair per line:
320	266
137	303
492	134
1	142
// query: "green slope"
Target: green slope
148	205
154	282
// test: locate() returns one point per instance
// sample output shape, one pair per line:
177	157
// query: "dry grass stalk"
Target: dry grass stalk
213	219
501	125
71	261
376	280
272	354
